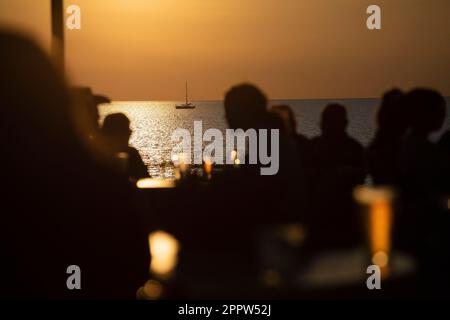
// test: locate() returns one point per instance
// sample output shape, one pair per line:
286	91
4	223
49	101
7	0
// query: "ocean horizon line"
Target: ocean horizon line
221	100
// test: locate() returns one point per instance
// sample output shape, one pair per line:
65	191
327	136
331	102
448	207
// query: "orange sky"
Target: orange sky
146	49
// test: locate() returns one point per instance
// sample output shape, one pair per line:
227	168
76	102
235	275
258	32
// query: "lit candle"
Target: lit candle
234	158
233	155
183	164
207	167
164	253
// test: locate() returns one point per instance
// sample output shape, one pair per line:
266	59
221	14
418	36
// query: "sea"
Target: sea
153	123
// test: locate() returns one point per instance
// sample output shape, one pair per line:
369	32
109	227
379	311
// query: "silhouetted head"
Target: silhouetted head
393	116
334	120
116	129
245	107
427	110
100	99
285	113
35	107
88	115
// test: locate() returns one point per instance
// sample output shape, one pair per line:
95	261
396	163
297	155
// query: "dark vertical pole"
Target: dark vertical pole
57	8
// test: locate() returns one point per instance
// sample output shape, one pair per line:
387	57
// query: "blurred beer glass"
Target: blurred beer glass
182	165
376	205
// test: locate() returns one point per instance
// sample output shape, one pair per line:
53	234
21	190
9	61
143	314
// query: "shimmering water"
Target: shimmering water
153	122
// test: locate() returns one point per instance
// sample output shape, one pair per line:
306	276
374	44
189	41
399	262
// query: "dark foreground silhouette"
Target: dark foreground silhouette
59	207
423	222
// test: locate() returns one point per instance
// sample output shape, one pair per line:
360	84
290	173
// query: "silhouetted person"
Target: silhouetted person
298	197
383	154
100	99
287	116
87	115
422	225
422	161
248	201
116	133
444	142
246	107
444	145
59	208
337	163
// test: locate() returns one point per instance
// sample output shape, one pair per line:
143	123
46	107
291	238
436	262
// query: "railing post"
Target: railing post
57	7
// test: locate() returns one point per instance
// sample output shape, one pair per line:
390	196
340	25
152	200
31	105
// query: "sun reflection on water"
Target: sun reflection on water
153	123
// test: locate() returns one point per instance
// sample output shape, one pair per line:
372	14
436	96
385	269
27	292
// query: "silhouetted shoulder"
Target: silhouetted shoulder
137	168
444	142
353	143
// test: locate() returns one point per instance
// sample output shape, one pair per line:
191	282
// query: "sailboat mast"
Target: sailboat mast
187	104
57	25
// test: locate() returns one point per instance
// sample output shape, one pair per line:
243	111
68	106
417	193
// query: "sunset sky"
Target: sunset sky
146	49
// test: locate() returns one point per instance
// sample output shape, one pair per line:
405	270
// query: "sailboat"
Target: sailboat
187	104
